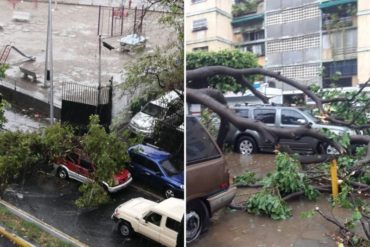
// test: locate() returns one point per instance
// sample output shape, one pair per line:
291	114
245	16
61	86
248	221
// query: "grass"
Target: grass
29	230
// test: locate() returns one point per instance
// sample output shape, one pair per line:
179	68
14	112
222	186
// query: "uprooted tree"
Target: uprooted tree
298	175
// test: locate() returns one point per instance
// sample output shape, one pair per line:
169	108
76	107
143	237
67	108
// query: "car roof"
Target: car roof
165	99
150	152
172	207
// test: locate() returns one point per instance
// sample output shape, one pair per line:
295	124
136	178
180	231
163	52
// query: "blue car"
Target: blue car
156	168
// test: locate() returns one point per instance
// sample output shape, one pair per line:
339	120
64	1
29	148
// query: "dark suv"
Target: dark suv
250	141
208	186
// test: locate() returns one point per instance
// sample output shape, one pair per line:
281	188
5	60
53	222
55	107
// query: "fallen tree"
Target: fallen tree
332	106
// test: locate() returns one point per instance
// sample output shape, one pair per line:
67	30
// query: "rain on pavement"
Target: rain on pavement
51	200
233	228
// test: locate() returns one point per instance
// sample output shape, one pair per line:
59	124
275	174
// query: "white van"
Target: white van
143	122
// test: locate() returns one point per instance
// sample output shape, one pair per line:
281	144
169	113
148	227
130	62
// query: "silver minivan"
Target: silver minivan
250	141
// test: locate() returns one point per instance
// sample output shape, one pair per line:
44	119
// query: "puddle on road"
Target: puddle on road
231	228
261	164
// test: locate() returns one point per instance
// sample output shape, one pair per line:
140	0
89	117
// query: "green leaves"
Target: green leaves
230	58
286	179
246	178
3	68
264	202
92	195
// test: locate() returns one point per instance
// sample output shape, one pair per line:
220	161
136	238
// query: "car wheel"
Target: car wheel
62	173
125	229
168	193
246	145
197	218
329	149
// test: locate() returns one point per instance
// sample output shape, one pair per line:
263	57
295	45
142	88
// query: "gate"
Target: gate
79	102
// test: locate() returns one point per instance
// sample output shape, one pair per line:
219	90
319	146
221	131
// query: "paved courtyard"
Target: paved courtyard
75	44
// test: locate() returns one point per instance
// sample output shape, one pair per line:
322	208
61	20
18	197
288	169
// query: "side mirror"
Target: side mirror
301	121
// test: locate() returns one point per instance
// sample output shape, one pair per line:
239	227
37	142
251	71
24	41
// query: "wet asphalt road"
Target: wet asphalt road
52	200
6	243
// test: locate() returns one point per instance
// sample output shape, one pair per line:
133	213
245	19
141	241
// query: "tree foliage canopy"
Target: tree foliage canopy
229	58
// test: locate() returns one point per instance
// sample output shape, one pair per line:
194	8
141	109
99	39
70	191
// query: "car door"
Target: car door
169	232
151	226
71	162
291	118
146	170
85	171
268	117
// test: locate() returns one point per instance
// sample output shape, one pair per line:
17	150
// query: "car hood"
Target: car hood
336	129
134	208
178	178
142	121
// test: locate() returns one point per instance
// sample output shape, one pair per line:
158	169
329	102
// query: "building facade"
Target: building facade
208	25
322	42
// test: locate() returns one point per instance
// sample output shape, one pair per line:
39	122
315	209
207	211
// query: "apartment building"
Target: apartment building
324	42
208	25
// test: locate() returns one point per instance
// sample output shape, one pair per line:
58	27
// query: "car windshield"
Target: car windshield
170	167
153	110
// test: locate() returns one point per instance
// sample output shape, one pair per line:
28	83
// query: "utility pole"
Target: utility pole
99	76
48	76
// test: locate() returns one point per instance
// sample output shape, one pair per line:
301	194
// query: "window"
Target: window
265	115
199	146
169	168
200	24
257	49
154	218
202	48
72	157
242	112
254	35
197	1
173	224
291	117
86	164
153	110
344	69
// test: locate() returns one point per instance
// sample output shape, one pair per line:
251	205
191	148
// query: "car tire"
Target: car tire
246	145
329	149
168	193
125	229
62	173
197	220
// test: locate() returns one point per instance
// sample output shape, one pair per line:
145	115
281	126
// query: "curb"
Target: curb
46	227
14	238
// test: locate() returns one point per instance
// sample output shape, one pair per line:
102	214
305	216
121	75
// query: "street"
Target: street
238	228
6	243
52	200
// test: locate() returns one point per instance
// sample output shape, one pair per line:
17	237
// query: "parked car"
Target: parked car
208	186
77	166
143	122
249	141
157	168
157	221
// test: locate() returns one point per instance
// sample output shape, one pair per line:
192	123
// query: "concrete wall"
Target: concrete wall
218	34
363	48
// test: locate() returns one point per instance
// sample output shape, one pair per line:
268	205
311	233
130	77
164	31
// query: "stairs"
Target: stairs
4	54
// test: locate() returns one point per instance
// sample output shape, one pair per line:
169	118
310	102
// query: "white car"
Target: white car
157	221
143	122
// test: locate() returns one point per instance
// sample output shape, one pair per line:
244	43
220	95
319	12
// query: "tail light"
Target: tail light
225	185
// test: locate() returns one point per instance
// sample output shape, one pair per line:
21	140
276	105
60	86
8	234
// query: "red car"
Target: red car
77	166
